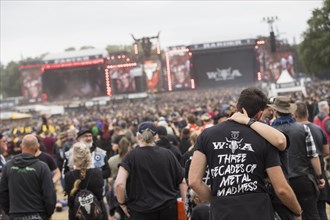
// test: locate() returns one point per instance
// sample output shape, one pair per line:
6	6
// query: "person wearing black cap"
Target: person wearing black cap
151	177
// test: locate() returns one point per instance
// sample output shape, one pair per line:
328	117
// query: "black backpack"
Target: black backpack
86	205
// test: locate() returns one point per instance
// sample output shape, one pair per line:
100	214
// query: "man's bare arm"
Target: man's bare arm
56	175
120	189
272	135
183	189
315	161
283	189
195	177
325	150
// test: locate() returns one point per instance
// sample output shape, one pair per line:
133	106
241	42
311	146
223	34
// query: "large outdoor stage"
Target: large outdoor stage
90	73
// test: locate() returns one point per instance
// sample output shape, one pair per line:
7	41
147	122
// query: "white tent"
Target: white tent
13	115
285	77
287	84
42	109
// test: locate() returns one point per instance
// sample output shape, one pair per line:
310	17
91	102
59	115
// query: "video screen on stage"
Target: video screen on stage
272	65
68	83
123	79
152	70
31	84
225	67
179	65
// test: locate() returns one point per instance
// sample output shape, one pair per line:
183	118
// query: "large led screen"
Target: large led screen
224	67
82	82
31	84
179	68
123	79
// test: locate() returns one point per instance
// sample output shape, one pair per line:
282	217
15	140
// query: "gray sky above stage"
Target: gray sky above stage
32	28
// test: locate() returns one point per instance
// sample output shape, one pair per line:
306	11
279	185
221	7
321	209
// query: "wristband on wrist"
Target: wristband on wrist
251	121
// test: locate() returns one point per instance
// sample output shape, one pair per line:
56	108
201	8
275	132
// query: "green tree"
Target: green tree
120	48
315	48
70	49
10	80
86	47
2	81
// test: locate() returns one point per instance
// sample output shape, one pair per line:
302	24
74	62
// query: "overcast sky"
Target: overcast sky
32	28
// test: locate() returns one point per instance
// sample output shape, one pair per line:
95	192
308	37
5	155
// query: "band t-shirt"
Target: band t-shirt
237	158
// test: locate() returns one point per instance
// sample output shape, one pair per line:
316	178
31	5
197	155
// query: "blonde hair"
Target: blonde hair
194	135
82	160
147	136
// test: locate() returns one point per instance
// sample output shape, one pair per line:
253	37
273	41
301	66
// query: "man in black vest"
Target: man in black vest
297	159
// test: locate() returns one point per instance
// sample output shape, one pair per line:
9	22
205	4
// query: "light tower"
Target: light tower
272	40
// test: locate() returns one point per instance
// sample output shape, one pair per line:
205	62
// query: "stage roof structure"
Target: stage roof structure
76	53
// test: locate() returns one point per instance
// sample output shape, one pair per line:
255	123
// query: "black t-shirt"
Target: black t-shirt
46	158
237	158
154	178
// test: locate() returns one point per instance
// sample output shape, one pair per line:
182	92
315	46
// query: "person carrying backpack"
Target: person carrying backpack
84	186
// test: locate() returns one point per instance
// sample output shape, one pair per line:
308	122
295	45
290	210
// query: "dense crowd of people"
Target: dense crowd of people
121	151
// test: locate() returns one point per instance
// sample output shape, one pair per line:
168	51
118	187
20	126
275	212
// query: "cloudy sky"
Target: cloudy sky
32	28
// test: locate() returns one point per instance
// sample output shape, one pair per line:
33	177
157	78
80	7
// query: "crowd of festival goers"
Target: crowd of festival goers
109	150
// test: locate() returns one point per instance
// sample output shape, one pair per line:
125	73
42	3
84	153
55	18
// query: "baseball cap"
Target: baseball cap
148	125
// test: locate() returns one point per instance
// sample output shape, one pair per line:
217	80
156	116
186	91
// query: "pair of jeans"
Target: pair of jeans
307	194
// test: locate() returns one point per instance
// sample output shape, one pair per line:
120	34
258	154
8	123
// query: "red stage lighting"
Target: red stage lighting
192	83
169	80
260	42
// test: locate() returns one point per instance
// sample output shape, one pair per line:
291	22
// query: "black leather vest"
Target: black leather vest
297	161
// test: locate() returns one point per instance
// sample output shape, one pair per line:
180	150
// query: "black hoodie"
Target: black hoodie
26	187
